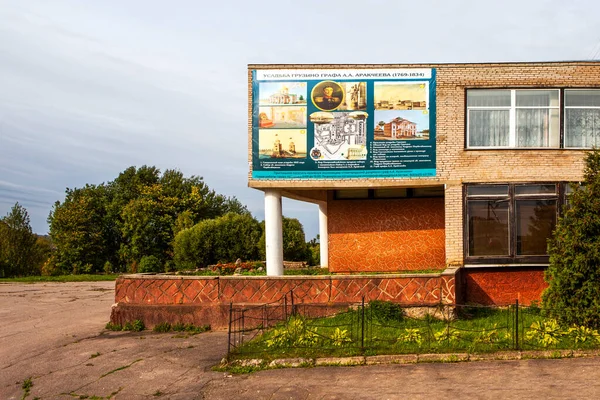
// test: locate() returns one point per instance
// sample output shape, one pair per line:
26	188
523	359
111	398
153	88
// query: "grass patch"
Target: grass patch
134	326
62	278
186	329
388	330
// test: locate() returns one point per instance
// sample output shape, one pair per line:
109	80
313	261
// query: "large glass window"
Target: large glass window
513	118
582	118
510	222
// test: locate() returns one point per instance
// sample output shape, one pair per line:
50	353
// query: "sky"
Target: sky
89	88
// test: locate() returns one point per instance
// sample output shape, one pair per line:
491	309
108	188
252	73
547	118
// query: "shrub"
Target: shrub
386	311
108	267
573	294
162	327
226	238
150	264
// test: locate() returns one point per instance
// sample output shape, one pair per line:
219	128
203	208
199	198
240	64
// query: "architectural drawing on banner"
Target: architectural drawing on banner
401	125
401	96
339	136
282	93
282	143
281	117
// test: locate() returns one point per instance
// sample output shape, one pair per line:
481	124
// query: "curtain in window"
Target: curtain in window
532	128
488	128
582	127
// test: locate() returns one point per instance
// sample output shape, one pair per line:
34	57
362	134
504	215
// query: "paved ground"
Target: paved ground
54	334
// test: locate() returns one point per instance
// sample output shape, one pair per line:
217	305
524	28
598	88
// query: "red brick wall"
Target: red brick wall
502	286
386	235
205	300
169	290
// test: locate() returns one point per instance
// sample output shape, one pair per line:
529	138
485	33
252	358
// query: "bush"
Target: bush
386	311
150	264
108	267
295	247
226	239
573	294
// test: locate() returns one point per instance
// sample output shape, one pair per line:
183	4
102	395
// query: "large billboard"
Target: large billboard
343	123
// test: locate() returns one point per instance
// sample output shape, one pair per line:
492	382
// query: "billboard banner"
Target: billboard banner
343	123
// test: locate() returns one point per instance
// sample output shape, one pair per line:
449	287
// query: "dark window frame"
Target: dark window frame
511	197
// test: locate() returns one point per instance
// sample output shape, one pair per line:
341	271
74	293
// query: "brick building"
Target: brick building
509	138
400	127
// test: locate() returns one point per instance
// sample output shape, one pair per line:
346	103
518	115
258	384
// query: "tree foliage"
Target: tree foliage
21	252
134	216
222	239
295	247
573	295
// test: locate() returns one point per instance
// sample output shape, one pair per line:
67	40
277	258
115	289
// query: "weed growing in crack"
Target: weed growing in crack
26	386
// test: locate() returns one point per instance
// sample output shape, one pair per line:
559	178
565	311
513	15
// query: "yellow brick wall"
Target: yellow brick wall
457	165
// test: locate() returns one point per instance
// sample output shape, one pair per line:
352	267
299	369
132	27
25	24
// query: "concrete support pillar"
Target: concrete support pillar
273	233
323	235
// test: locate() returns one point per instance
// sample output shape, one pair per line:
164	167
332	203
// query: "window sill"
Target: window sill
505	265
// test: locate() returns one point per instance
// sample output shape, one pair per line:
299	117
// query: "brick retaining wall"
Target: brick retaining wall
205	300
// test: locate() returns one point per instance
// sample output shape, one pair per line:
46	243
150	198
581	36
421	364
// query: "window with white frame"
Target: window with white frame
523	118
582	118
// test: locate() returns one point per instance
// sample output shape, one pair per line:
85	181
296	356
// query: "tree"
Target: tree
573	294
134	216
19	255
81	230
222	239
294	242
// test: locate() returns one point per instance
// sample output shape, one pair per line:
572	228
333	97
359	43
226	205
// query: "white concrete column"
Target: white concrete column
273	233
323	235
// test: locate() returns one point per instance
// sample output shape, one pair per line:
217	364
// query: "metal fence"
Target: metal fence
299	329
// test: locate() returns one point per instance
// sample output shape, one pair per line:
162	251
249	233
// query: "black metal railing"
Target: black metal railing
301	329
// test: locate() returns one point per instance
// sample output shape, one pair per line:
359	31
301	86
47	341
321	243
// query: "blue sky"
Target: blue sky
88	88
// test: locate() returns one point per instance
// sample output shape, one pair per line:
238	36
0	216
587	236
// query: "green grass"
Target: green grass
475	330
62	278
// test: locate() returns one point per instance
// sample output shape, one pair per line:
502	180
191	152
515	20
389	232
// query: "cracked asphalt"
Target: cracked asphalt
54	334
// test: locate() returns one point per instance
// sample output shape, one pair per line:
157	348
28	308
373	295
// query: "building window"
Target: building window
527	118
582	118
510	223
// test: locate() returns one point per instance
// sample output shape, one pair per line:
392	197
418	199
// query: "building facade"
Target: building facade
509	138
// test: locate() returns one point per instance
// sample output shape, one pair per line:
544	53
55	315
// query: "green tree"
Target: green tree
223	239
147	228
79	229
19	255
137	214
573	294
294	242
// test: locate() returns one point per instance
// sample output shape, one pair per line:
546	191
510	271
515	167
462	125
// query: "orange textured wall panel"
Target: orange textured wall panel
386	235
502	286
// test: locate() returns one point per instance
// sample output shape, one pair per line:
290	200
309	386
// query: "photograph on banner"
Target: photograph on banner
339	136
401	125
281	117
282	143
355	96
282	93
328	95
401	96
